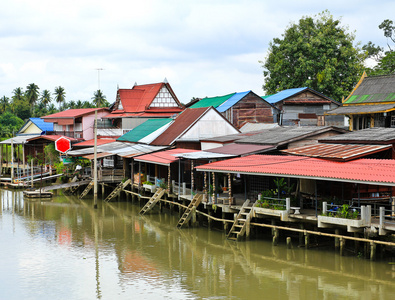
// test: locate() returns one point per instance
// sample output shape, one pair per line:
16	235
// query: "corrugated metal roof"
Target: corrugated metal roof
242	149
73	113
90	143
44	126
284	94
204	155
143	130
248	127
163	157
212	101
232	101
370	171
286	134
338	152
377	135
186	119
374	89
20	139
361	109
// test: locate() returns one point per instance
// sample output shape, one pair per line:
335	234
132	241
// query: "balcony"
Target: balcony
71	134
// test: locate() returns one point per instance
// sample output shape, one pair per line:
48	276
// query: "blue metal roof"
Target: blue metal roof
44	126
232	101
283	95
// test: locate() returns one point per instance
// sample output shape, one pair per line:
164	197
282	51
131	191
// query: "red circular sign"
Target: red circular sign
62	144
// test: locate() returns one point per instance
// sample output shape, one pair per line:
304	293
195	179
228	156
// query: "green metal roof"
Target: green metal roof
212	101
143	130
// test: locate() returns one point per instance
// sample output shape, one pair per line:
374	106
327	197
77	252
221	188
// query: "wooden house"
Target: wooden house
370	104
241	108
305	106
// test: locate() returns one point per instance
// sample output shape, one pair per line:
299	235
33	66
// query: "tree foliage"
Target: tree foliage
385	59
318	53
99	99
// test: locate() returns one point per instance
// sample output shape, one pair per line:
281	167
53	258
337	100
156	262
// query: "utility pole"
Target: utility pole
95	166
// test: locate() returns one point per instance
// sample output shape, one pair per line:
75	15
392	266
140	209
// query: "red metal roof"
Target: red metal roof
139	98
91	143
183	121
73	113
165	157
52	137
337	152
377	171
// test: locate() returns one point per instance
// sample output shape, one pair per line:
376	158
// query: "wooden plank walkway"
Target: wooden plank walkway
64	185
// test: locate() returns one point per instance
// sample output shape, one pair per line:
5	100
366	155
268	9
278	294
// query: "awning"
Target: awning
338	152
164	158
20	139
64	121
368	171
99	155
361	109
204	155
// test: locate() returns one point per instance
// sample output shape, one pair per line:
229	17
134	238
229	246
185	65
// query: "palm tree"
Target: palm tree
32	94
72	104
98	98
46	98
79	104
18	94
60	95
4	103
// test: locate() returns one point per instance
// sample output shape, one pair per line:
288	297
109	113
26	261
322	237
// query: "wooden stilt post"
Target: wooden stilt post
337	240
205	188
225	223
372	251
306	240
214	195
230	189
342	246
289	243
192	179
168	180
275	236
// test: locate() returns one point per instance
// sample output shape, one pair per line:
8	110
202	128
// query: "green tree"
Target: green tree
385	59
32	94
318	53
46	98
60	95
4	101
18	94
99	99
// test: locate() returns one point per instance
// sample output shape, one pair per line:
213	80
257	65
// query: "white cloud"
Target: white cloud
203	48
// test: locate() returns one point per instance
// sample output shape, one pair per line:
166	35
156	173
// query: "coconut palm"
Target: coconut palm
4	103
32	94
18	94
60	95
45	98
98	98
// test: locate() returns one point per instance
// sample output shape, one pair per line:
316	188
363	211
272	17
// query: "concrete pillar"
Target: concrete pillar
324	208
184	188
275	236
306	240
225	223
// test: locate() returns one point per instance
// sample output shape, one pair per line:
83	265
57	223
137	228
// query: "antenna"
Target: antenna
98	76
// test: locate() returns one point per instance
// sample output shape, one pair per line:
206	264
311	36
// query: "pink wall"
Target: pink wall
87	124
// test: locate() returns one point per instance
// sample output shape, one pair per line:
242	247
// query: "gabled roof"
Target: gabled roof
286	94
73	113
139	98
212	101
184	121
52	137
287	134
370	171
143	130
373	89
90	143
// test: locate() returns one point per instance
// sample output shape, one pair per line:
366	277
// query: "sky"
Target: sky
202	47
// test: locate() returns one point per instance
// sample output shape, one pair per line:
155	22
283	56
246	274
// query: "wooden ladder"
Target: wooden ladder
240	224
152	201
118	189
87	189
188	211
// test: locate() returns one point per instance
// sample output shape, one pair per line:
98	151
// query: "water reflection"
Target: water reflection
112	252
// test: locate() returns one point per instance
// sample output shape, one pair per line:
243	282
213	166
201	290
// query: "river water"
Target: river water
65	249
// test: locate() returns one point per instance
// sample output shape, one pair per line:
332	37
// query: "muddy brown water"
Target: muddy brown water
65	249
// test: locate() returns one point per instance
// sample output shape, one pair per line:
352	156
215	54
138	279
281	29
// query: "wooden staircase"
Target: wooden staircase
118	189
87	189
188	212
152	201
240	224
